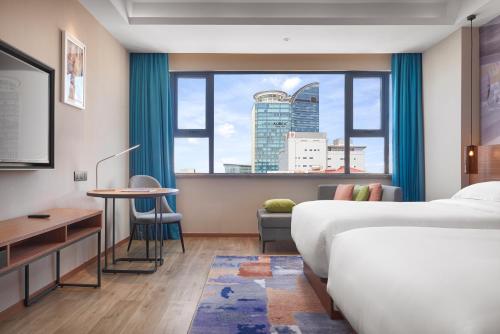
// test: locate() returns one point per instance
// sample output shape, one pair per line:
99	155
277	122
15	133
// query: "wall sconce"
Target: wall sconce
471	151
471	159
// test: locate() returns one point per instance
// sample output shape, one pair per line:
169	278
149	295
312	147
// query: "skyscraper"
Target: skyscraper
271	121
274	114
305	109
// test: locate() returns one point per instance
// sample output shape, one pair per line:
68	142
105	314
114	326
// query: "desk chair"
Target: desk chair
147	219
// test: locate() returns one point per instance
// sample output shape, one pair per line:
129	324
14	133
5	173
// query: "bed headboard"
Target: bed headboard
488	164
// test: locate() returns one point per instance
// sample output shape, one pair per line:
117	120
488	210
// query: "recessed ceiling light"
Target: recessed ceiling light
286	39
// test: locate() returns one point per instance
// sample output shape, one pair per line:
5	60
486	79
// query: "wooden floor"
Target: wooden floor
163	302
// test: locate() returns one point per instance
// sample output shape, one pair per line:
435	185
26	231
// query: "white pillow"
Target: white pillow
486	191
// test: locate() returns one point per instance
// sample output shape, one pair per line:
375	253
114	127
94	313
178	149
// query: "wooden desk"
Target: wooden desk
26	240
157	194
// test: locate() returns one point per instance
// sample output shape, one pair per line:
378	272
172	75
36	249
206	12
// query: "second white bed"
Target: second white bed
389	280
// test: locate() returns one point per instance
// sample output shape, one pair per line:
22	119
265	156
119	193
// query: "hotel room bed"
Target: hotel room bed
417	280
316	223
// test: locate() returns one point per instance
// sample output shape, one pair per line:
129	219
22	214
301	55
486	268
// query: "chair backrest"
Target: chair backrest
389	193
146	181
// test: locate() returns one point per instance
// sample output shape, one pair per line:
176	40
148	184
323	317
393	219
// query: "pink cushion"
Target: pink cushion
375	192
344	192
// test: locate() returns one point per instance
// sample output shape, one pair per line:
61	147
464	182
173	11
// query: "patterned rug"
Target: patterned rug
261	294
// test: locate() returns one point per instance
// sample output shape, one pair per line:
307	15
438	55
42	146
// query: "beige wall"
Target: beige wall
446	91
279	62
81	136
228	204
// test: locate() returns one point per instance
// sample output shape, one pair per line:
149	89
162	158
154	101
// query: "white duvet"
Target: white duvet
316	223
414	280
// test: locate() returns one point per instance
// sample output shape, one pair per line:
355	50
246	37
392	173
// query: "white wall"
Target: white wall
81	137
446	103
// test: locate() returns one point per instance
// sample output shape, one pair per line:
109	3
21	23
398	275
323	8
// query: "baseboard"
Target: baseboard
239	235
18	306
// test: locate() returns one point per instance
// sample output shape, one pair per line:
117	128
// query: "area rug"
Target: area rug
261	294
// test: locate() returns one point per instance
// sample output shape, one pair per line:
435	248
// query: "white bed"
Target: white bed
315	224
417	280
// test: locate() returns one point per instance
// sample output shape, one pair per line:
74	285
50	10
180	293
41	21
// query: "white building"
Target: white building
336	156
303	152
237	168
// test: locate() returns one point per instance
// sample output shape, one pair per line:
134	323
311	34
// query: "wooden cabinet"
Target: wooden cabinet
26	239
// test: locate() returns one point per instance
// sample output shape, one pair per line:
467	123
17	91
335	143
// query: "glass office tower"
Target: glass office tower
272	120
305	109
274	114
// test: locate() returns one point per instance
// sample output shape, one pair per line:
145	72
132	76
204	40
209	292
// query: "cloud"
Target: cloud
193	141
290	84
282	82
274	80
226	130
237	112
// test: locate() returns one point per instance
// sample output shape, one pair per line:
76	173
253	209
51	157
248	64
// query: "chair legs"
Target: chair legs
182	238
146	227
134	227
146	232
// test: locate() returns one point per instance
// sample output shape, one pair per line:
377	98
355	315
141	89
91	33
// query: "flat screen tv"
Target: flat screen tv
26	111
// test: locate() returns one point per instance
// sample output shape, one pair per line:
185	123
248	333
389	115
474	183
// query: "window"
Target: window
193	123
191	97
366	100
232	122
367	130
191	155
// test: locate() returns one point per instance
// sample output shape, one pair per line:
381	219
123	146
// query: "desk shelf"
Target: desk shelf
29	249
4	257
79	232
24	240
83	228
29	252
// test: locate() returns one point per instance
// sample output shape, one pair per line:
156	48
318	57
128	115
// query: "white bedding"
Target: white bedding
315	224
414	280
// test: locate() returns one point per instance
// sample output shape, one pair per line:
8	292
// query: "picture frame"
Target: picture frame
73	71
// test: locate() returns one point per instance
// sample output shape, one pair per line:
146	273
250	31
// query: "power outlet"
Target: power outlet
79	176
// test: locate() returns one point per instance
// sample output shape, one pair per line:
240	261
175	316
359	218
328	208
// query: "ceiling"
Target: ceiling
286	26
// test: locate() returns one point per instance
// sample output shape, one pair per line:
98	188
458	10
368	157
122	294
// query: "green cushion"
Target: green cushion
355	192
279	205
362	194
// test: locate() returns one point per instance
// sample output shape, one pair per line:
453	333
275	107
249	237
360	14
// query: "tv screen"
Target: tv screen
26	111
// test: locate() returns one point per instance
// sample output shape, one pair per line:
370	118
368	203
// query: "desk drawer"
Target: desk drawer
3	257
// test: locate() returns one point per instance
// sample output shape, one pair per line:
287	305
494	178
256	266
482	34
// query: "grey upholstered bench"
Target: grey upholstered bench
273	226
277	226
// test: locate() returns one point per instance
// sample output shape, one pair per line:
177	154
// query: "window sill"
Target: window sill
286	175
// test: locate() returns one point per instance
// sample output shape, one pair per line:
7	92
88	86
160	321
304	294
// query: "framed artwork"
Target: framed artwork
73	71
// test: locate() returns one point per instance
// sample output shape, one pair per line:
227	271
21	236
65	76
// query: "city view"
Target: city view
278	123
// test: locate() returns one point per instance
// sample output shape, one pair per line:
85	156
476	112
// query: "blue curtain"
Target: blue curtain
151	126
408	135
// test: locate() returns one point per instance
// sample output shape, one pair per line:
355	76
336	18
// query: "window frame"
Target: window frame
349	131
208	132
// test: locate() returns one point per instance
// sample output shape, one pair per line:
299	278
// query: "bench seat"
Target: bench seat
273	226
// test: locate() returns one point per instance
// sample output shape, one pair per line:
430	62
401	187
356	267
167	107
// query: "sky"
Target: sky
233	102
